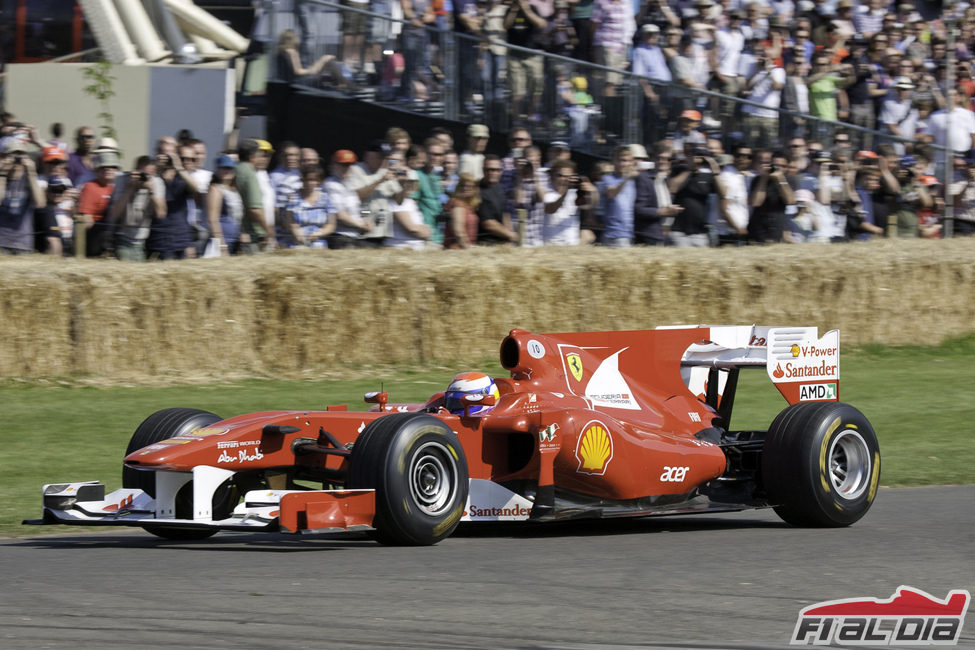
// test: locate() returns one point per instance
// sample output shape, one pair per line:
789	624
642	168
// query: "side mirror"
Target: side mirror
473	400
377	397
272	436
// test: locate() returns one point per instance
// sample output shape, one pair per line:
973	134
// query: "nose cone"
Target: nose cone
174	454
231	444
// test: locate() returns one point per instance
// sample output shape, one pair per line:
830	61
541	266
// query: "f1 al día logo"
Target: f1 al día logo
909	617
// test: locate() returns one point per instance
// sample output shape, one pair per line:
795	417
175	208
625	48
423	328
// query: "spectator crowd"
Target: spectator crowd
882	65
876	76
687	191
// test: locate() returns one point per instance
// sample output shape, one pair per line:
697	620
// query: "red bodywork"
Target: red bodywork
632	441
587	424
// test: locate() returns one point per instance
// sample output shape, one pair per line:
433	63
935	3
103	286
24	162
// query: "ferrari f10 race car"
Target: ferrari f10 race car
589	424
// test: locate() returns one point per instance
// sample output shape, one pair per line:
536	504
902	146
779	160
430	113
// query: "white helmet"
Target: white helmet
469	383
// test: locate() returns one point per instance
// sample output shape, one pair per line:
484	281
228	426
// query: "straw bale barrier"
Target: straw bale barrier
309	313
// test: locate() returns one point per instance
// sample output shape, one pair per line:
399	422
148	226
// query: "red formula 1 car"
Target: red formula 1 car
591	424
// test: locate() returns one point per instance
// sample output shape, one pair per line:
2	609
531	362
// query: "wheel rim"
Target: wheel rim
433	478
849	464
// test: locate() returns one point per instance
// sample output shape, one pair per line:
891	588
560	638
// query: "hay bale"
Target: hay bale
37	312
306	313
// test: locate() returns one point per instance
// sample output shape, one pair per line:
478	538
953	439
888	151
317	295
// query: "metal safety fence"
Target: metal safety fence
385	59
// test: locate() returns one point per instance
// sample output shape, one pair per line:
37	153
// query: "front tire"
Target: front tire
162	425
821	464
418	469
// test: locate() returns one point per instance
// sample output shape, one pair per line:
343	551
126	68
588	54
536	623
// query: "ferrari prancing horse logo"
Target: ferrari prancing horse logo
575	365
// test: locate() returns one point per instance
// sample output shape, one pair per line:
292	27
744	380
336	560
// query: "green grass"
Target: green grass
918	399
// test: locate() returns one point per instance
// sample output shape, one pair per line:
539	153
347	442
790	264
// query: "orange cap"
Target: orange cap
51	154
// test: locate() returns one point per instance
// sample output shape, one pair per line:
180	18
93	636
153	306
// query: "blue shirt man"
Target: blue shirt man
617	195
648	58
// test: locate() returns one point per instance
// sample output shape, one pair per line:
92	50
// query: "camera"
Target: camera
57	189
19	159
143	177
576	182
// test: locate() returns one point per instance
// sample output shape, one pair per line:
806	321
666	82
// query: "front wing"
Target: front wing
296	511
320	511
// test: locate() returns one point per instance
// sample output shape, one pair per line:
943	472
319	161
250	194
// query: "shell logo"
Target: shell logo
595	449
795	350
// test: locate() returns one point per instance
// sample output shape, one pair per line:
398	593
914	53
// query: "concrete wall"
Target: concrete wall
150	101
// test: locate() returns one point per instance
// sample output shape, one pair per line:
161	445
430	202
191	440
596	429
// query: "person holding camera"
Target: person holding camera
139	198
691	184
409	230
352	221
171	236
569	196
770	196
862	221
376	180
20	194
763	81
55	222
961	191
913	197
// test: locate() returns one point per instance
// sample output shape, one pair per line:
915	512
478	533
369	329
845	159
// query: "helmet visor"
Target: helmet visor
453	401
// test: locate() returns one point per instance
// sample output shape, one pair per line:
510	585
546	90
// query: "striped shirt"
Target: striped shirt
612	18
310	217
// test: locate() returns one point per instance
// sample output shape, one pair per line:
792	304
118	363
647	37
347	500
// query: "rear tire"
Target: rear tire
821	464
417	466
162	425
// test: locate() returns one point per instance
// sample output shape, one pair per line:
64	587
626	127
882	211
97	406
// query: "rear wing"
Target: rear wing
803	366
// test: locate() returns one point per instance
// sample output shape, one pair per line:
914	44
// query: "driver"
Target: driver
469	383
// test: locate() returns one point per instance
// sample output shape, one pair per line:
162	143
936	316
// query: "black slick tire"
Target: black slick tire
821	464
162	425
417	466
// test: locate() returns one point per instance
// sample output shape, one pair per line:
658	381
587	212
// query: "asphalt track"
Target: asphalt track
722	581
